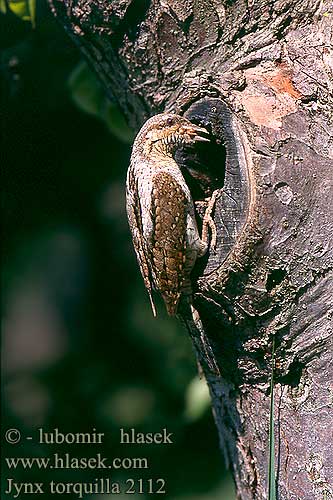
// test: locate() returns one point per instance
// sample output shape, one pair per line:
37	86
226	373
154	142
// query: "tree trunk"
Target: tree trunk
259	76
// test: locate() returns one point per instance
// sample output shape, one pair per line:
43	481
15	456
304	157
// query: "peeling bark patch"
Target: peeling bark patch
270	95
280	80
277	78
267	110
283	192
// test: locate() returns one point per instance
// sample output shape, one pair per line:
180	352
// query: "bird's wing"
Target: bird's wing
168	206
135	221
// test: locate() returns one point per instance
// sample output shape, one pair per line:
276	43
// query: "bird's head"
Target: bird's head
165	132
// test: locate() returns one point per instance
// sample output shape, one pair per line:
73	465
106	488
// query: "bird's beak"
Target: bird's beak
199	134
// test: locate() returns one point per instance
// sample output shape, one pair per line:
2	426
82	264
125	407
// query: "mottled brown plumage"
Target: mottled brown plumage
160	208
169	242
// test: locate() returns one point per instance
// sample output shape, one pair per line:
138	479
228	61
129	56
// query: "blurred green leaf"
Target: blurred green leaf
85	90
116	123
3	7
197	399
90	98
128	406
24	9
32	9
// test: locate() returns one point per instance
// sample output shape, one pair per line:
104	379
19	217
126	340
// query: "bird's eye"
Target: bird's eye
169	121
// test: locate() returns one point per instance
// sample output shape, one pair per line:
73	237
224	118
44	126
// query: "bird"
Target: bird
160	209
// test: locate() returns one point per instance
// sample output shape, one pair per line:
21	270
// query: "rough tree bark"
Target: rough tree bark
258	75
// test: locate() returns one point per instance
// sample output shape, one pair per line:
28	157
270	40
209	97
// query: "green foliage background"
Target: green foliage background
24	9
80	347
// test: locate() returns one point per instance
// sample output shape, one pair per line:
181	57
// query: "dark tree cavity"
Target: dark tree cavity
259	76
